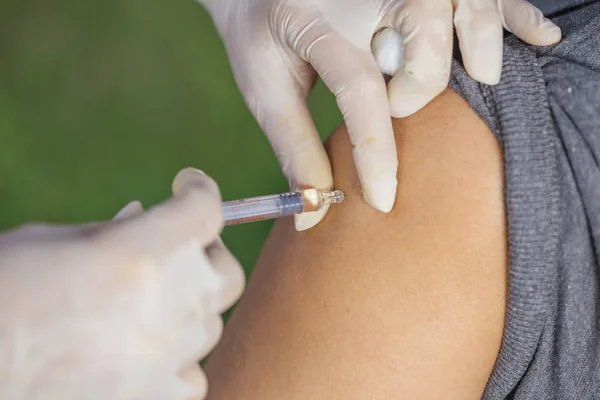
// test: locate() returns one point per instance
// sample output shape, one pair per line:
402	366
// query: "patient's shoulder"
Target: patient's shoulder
408	304
450	181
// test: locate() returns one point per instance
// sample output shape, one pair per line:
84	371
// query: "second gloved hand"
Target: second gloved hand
122	309
278	47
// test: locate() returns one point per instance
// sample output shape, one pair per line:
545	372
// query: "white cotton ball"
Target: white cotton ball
388	49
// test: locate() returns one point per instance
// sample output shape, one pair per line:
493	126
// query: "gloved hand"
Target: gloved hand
122	309
277	48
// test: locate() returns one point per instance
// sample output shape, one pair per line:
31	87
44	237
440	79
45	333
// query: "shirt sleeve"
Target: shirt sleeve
545	113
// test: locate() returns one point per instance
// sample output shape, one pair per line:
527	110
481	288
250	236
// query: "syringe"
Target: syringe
278	205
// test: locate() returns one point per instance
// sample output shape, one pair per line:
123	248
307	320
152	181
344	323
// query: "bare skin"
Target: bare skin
405	305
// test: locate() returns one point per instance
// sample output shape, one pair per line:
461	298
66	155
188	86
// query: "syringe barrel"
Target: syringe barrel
261	208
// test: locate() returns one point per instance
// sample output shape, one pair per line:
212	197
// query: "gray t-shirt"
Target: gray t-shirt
554	7
546	114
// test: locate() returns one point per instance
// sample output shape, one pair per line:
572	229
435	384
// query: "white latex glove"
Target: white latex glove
122	309
277	48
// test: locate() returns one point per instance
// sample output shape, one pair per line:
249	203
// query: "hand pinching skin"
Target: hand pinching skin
278	48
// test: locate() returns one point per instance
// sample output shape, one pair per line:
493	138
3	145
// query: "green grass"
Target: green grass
103	102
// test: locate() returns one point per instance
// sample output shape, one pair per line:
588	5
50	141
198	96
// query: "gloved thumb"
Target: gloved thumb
131	210
193	213
528	23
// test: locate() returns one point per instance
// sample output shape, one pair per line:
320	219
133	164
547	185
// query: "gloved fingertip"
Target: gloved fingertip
550	33
402	109
132	209
308	220
408	93
196	380
484	64
185	177
533	28
486	76
404	104
381	194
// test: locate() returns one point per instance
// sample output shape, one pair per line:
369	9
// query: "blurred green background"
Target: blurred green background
103	102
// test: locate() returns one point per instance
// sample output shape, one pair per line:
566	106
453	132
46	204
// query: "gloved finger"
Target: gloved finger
528	23
194	214
195	378
198	286
426	28
278	101
480	37
37	231
353	76
195	210
195	337
167	383
41	231
132	209
231	272
191	289
49	233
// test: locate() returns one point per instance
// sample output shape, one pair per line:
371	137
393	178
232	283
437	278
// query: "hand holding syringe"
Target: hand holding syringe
278	205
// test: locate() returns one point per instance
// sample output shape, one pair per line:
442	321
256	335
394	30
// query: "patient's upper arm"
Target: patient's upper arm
368	305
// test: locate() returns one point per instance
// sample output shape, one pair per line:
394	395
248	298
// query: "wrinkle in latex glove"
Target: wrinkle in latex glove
122	309
278	48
